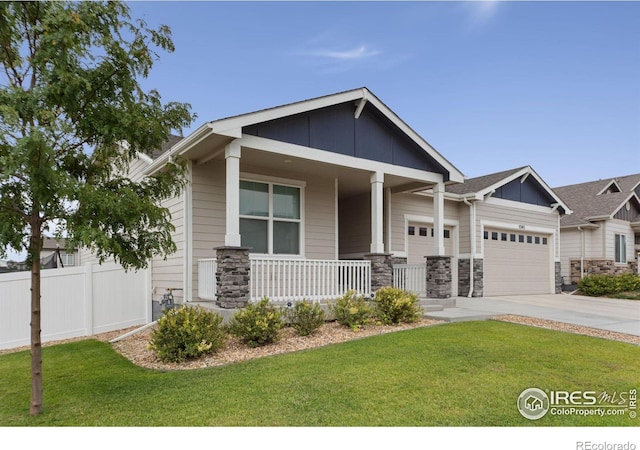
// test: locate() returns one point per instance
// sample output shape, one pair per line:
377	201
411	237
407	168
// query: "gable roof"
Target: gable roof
224	130
509	184
594	200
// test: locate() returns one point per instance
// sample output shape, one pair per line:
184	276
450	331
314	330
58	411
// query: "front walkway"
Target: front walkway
622	316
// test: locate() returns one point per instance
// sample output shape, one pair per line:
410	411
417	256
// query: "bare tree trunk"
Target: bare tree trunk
36	344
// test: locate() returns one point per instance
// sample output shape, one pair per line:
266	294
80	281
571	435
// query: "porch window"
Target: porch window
621	248
270	217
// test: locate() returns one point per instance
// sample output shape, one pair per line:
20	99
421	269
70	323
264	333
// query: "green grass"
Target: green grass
634	295
465	374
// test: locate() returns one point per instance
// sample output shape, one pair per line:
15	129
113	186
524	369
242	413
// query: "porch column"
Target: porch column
438	219
232	157
377	194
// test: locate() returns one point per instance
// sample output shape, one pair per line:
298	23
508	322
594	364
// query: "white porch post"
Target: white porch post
438	219
377	191
232	157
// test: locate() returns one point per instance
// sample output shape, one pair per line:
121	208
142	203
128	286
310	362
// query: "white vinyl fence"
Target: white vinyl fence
76	301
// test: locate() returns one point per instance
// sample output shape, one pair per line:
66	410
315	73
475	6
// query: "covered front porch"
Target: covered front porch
295	201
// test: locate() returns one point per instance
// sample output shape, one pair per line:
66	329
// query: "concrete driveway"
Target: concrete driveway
622	316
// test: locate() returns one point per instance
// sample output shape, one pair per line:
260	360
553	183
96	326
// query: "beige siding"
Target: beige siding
614	227
168	273
570	248
414	205
209	213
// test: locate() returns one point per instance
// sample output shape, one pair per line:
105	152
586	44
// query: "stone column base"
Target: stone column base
439	276
381	270
232	277
464	277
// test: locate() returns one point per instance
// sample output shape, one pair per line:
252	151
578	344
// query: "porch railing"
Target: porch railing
207	278
411	277
297	279
283	280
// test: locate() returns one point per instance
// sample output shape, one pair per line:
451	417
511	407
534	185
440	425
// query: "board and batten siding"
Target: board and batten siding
209	211
168	273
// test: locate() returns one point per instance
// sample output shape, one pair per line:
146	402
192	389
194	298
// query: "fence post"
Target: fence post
88	299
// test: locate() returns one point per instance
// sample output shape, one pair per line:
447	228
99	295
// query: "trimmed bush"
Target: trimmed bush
187	333
393	305
352	310
257	324
599	285
305	317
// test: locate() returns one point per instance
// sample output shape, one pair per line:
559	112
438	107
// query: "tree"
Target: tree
72	117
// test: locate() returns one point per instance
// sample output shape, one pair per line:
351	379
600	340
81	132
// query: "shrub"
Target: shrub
305	317
187	333
352	310
599	285
257	324
393	305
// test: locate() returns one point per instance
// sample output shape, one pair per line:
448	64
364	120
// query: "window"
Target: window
637	238
521	238
447	234
537	239
494	236
529	239
512	238
423	231
411	231
544	241
621	248
503	237
68	259
486	235
270	217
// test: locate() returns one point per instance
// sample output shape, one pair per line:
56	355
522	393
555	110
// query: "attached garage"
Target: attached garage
517	262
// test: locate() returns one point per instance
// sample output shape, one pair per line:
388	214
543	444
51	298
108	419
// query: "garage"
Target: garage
517	262
420	242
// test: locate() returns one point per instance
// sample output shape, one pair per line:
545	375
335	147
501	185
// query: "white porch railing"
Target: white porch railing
293	279
207	279
297	279
411	277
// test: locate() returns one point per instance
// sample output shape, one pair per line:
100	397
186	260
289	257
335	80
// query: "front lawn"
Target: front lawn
464	374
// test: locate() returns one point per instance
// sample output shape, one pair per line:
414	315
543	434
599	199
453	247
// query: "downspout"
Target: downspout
581	252
472	232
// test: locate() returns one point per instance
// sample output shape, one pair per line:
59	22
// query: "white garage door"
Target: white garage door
420	242
516	263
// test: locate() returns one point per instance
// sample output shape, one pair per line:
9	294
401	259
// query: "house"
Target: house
603	233
312	198
55	254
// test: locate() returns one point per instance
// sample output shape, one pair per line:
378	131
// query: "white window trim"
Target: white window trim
622	249
271	181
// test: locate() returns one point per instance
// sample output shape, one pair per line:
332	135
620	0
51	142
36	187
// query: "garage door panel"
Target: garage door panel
515	267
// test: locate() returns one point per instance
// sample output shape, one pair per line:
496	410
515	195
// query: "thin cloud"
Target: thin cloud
357	53
481	12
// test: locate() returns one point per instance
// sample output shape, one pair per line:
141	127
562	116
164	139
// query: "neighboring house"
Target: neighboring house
603	233
55	254
311	198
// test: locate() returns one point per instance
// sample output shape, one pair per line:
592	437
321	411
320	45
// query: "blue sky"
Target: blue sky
491	85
